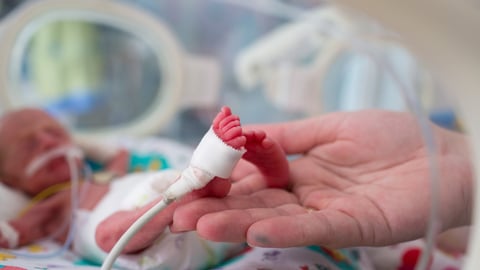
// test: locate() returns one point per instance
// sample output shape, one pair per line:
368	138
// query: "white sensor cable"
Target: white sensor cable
211	158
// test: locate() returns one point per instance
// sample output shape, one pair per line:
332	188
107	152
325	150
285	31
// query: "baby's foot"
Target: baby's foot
268	156
228	128
263	152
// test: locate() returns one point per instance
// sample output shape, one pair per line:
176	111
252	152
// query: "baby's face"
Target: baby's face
25	137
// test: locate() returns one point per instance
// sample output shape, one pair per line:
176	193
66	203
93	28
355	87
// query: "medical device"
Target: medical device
161	80
202	169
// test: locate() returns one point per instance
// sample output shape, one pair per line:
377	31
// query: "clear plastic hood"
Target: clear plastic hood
163	68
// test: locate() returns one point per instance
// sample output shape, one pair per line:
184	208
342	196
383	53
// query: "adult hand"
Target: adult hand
360	178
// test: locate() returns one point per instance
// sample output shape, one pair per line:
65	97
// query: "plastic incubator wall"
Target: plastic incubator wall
269	61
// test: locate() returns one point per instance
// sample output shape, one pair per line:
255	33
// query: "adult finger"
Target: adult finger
285	226
221	226
325	227
186	216
217	188
302	135
249	184
113	227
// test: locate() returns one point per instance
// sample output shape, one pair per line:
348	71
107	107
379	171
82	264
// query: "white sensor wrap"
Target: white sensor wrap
211	158
9	234
190	179
214	156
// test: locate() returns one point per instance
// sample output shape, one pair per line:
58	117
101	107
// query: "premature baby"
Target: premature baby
108	210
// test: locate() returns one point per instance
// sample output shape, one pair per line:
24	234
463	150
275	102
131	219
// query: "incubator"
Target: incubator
163	68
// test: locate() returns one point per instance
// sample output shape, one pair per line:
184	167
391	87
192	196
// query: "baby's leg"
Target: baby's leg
227	127
268	157
263	152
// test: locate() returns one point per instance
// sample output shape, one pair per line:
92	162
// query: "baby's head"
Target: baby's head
25	135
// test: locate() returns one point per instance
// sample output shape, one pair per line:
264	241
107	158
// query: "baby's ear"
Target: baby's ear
15	200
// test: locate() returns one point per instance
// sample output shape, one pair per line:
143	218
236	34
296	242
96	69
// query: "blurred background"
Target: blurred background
164	67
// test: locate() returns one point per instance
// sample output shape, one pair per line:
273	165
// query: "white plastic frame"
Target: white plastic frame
259	63
19	26
294	87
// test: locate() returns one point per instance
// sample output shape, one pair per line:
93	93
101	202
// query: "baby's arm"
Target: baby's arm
228	129
38	222
47	217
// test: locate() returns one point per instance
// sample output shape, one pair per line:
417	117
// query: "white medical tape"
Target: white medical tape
190	179
9	233
196	178
214	156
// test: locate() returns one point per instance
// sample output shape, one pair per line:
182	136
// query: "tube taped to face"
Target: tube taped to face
42	160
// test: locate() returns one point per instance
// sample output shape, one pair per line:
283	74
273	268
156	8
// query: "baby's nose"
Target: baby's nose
47	140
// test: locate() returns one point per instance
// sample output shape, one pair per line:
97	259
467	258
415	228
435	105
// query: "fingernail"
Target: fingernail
177	229
260	241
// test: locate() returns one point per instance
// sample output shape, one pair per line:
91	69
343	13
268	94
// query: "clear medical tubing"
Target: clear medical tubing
71	154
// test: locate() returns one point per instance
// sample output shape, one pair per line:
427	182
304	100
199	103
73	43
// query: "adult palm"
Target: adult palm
359	178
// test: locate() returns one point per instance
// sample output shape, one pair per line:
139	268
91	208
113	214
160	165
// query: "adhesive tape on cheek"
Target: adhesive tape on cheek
9	233
214	156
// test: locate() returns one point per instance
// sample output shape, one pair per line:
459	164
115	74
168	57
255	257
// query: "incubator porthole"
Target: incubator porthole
89	72
102	68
